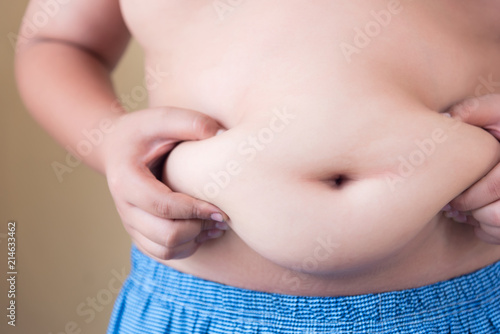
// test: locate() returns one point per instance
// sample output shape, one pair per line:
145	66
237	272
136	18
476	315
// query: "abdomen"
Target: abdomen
282	202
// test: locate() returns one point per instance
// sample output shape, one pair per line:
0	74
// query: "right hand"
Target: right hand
163	224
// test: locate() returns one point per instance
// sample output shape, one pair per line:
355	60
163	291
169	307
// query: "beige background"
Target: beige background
70	242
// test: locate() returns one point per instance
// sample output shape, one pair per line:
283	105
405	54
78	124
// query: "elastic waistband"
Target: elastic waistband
381	310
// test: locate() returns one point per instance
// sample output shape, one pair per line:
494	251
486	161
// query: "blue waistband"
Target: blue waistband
470	303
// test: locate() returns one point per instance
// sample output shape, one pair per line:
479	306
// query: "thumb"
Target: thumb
179	124
483	111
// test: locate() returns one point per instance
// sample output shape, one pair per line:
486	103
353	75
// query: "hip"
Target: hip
160	299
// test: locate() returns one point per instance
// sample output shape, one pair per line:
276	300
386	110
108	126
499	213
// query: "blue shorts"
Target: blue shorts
159	299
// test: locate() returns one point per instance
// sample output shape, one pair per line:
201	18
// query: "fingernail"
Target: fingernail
447	207
217	217
215	233
220	131
460	218
451	214
222	226
447	114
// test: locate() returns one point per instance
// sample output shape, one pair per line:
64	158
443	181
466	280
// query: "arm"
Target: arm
63	73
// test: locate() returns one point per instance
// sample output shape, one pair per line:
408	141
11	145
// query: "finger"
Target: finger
483	192
181	124
481	111
161	252
487	236
472	221
144	191
488	216
209	235
166	232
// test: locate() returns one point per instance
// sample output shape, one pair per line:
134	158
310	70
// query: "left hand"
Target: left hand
480	204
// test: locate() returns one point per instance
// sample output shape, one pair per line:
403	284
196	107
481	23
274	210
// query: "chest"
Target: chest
222	54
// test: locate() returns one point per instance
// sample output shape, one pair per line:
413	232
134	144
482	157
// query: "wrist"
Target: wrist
93	145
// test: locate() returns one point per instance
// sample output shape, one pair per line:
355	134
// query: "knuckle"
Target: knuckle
205	225
196	211
495	217
466	108
165	253
461	203
493	188
118	182
162	209
114	183
172	239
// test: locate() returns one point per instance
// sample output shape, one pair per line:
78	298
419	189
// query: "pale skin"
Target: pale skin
322	206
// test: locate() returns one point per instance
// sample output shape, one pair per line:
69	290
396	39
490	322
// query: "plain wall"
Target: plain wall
71	246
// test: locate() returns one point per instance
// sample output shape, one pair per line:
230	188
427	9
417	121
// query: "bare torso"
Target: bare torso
336	161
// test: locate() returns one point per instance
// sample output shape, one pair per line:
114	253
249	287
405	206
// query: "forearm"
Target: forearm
68	90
